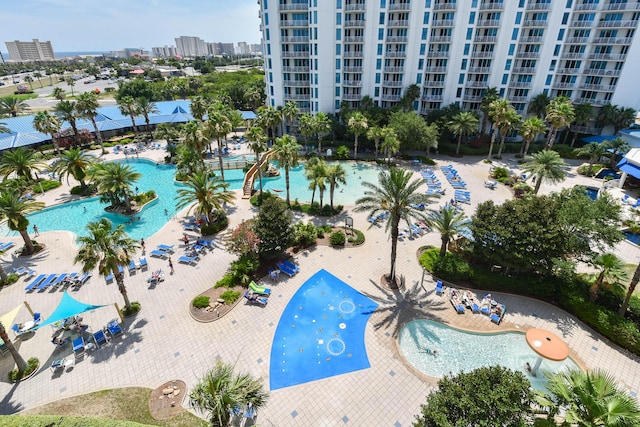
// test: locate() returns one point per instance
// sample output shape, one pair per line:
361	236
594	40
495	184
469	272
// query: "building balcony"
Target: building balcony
395	24
399	6
569	71
528	55
293	6
492	6
396	39
612	40
531	7
352	54
443	6
440	39
592	101
439	83
390	97
488	23
482	54
597	72
352	83
442	23
392	83
295	39
352	96
485	39
471	98
354	23
396	70
563	85
622	6
520	84
296	83
438	54
531	39
353	39
621	23
473	83
295	69
296	23
581	24
480	70
536	23
431	98
577	40
399	54
523	70
582	7
514	98
354	7
572	55
436	70
304	54
599	88
608	56
297	96
357	69
586	129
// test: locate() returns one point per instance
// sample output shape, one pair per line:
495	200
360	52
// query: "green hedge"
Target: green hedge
230	296
47	184
201	301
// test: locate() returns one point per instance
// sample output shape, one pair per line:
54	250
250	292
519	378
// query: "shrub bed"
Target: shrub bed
230	296
16	375
201	301
337	238
47	184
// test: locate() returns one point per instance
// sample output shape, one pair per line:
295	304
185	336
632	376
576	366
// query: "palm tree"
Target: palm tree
560	113
611	273
397	195
39	77
74	162
618	146
497	110
358	125
167	131
305	126
607	115
21	364
321	126
12	106
591	398
594	150
490	94
286	154
66	111
107	248
316	173
336	175
270	117
195	137
58	93
390	143
22	161
546	165
538	105
48	123
206	193
199	107
529	129
221	390
218	126
71	84
29	79
258	144
14	210
584	113
375	133
448	222
129	107
410	95
146	108
509	121
289	113
87	108
4	128
115	180
462	124
632	287
624	118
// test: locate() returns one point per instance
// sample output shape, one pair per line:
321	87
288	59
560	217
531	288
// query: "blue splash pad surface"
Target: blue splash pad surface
320	333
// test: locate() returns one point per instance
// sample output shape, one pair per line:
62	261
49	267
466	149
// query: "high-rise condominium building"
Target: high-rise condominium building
320	53
30	51
190	47
164	52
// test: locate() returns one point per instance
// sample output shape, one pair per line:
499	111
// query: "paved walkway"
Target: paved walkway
163	342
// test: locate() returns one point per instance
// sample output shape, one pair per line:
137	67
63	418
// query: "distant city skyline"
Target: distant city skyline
105	26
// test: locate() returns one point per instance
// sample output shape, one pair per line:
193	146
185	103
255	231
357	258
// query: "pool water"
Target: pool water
459	351
320	333
592	192
604	173
632	237
356	174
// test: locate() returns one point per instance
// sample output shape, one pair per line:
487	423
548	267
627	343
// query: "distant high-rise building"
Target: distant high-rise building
320	54
129	53
30	51
190	47
164	52
255	49
218	48
242	49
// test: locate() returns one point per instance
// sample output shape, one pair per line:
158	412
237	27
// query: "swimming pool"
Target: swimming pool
610	173
632	237
459	350
356	174
320	333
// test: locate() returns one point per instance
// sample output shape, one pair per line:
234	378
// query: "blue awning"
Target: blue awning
68	307
630	168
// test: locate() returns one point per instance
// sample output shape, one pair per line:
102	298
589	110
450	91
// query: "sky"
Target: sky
91	25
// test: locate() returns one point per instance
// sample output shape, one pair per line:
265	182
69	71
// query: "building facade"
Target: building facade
34	50
190	47
320	53
164	52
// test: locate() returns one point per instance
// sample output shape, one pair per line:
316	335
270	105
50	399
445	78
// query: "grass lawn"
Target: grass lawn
130	404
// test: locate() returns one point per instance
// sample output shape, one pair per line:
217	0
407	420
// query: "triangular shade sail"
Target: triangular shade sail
68	307
7	319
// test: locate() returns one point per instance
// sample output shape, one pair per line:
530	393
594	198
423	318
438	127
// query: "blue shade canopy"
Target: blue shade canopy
630	168
68	307
599	138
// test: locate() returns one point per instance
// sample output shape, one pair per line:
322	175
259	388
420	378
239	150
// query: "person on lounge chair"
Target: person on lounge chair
252	297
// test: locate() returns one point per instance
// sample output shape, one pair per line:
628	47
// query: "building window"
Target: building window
461	78
514	34
425	18
427	3
381	19
459	92
565	18
466	49
507	65
469	33
561	34
383	4
420	64
337	64
378	64
337	104
338	91
381	34
423	48
339	18
518	18
556	50
463	66
338	34
338	78
267	34
552	67
512	48
521	4
424	33
380	49
569	3
377	78
266	19
472	17
338	49
505	79
376	91
270	77
419	78
338	4
548	82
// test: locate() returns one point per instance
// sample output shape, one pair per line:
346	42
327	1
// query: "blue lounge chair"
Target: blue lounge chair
188	260
6	246
48	281
132	267
100	338
143	264
439	287
30	274
16	329
190	227
82	279
20	271
286	270
165	248
158	254
291	265
261	290
31	286
207	243
114	328
37	318
78	345
59	280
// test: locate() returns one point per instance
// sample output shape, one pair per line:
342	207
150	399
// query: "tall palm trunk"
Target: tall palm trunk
376	143
493	141
286	175
319	145
98	135
632	287
355	148
133	125
27	241
551	139
443	248
458	146
538	183
595	287
502	139
148	127
321	190
394	252
220	157
3	274
20	362
331	191
259	163
122	288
